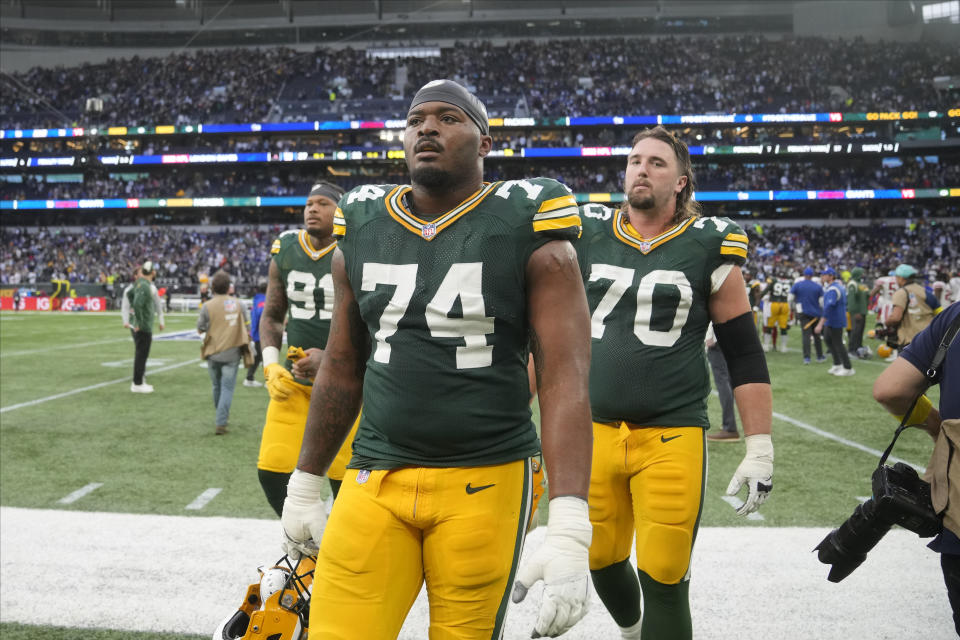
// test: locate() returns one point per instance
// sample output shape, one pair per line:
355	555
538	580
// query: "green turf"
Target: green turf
156	453
12	631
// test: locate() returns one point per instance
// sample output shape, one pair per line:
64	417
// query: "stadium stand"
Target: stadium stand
193	144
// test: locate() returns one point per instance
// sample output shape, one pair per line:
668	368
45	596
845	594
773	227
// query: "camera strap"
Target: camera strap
930	376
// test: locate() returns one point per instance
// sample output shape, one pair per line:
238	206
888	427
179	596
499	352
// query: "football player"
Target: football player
300	291
780	302
656	275
440	286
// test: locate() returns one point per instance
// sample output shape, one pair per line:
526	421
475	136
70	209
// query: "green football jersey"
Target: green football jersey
648	304
778	289
444	302
305	273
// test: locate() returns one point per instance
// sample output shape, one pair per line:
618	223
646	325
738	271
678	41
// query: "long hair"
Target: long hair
687	207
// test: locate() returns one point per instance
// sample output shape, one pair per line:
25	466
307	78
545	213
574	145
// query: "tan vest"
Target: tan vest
227	328
916	314
943	474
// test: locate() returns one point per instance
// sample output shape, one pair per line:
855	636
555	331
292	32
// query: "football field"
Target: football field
123	512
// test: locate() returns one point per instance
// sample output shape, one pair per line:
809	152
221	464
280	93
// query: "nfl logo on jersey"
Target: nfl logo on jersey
429	230
644	248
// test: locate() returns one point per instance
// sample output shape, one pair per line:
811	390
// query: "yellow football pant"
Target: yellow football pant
779	315
283	435
459	529
648	482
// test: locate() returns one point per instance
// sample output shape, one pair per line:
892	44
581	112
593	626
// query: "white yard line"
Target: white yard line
845	441
187	573
60	346
92	387
832	436
203	499
79	493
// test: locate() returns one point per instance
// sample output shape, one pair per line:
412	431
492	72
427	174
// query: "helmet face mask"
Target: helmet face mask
276	607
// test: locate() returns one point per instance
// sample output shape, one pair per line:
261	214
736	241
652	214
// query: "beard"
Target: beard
641	203
432	178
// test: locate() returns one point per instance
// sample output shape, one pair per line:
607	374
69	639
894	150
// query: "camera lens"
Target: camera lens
846	547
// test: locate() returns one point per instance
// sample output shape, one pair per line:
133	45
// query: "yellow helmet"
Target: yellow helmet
872	334
884	351
275	607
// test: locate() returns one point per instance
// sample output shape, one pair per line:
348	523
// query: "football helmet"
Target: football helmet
884	351
277	607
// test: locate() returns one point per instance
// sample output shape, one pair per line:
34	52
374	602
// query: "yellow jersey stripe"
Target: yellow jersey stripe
737	237
733	251
339	230
557	213
556	223
399	212
557	203
314	254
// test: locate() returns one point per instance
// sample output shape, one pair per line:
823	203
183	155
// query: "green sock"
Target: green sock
666	609
619	591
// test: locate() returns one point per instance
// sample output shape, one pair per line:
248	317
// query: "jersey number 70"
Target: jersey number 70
622	278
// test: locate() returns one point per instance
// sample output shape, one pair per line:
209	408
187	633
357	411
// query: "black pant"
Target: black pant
808	323
950	564
141	342
258	358
857	322
721	378
834	336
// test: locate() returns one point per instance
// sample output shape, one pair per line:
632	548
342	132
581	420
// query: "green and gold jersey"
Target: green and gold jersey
649	316
444	301
778	289
305	273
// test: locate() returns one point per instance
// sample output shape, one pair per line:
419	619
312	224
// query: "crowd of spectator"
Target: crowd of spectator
615	76
103	254
581	176
877	248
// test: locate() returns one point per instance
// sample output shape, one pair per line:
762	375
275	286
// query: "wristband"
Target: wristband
920	411
759	445
271	355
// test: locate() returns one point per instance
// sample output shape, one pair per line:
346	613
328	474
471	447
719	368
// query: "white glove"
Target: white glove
562	563
755	471
304	515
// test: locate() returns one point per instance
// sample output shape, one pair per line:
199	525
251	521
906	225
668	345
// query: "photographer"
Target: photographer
913	306
895	389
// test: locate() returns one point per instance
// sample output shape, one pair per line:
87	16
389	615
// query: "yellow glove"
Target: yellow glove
295	353
278	380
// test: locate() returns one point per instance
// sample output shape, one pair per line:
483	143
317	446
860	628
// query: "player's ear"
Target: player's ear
486	144
681	183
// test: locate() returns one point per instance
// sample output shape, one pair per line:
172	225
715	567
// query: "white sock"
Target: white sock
631	632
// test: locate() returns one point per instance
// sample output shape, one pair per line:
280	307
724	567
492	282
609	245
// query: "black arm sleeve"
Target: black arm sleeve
741	348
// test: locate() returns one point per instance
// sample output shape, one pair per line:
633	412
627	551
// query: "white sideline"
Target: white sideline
185	574
92	387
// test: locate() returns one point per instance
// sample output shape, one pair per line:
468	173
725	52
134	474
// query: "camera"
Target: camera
899	497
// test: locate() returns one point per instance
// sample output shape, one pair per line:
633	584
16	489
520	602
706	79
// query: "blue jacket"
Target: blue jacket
258	301
835	305
807	293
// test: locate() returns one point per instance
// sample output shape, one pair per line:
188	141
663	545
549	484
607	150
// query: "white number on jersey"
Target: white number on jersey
301	294
622	279
532	190
462	282
597	211
366	192
717	222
